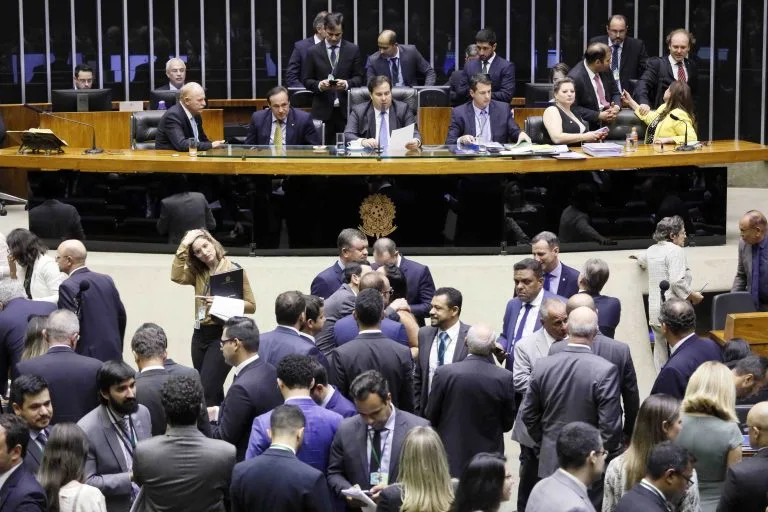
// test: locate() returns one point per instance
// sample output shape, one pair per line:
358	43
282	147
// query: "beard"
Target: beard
127	406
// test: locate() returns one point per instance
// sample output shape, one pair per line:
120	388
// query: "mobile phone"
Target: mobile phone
332	83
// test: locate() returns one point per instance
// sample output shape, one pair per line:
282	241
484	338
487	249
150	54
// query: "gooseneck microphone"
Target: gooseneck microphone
685	146
93	149
84	285
663	287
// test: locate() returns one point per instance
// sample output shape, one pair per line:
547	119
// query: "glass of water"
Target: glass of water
341	144
193	147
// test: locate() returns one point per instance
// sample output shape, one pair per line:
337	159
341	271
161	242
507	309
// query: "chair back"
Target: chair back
300	98
625	120
732	302
433	97
407	95
534	127
144	128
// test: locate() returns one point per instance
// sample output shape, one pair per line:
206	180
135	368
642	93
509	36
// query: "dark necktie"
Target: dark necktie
754	288
42	438
681	72
547	277
615	58
485	67
442	343
334	57
395	71
519	333
375	462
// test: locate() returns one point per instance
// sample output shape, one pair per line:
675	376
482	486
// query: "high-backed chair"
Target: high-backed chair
144	128
623	124
534	127
732	302
300	98
407	95
433	97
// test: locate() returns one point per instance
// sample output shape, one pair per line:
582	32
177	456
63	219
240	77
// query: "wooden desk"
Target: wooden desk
751	327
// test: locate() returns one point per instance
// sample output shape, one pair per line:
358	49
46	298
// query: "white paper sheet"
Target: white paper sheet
400	137
357	493
226	307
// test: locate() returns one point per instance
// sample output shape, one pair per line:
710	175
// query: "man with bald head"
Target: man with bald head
176	71
472	402
94	298
597	97
421	286
182	122
752	269
401	63
745	483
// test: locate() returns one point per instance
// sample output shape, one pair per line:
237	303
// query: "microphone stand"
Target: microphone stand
93	150
685	146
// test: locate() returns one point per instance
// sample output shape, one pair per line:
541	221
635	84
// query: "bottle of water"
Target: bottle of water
161	105
634	138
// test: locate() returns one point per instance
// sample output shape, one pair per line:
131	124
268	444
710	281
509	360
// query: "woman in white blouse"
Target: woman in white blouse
62	472
29	262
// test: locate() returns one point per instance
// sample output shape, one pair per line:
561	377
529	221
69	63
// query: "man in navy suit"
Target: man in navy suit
31	401
285	483
597	98
628	55
483	119
293	71
15	310
281	124
176	71
340	304
96	301
401	63
594	274
182	122
290	314
353	246
500	71
559	278
688	351
20	490
253	390
326	395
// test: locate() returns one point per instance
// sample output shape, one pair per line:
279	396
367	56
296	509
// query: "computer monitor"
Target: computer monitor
169	97
81	100
538	95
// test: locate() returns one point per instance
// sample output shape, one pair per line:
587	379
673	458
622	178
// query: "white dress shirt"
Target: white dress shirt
386	443
274	127
482	129
450	349
245	363
673	63
674	349
592	75
554	280
533	314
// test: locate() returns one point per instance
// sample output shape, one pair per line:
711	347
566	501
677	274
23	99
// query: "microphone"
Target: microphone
663	287
84	285
685	146
93	149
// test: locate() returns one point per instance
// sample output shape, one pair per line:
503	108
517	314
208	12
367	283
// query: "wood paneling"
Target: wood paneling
751	327
433	124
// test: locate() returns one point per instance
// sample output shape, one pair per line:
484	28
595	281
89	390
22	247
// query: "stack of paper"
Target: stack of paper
225	308
602	149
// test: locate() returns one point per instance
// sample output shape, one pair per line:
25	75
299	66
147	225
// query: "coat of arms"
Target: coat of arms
377	212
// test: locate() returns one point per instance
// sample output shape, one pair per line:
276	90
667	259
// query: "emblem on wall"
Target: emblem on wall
377	212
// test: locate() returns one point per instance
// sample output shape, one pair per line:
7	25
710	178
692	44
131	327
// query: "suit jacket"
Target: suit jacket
658	76
673	377
174	131
254	391
165	87
316	68
102	314
106	467
390	499
34	456
641	499
573	385
285	484
633	58
346	329
277	344
327	281
293	70
742	282
299	129
71	380
421	382
374	351
421	287
183	466
558	493
348	463
22	493
184	211
501	73
472	404
503	126
321	426
13	324
586	106
413	67
340	405
745	485
340	304
362	121
569	281
54	219
608	313
617	353
175	368
507	335
528	350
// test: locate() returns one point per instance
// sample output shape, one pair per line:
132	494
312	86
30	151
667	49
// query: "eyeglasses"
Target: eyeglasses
688	480
228	340
388	291
601	452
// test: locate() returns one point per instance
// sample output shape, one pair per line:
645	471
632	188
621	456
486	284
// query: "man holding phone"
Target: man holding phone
597	97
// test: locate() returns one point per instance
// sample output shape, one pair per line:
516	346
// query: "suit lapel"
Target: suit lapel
393	117
469	117
460	351
516	306
541	343
8	487
362	435
371	117
142	431
401	428
111	436
34	451
290	126
266	128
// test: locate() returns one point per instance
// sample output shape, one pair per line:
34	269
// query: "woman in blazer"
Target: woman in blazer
663	128
28	261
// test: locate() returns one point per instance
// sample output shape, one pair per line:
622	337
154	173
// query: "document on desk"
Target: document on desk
225	308
400	137
357	494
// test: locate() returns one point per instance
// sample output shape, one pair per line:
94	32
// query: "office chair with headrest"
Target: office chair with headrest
360	95
144	128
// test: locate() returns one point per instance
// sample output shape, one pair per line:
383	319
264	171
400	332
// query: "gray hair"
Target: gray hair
62	324
546	307
668	227
168	64
11	289
678	315
547	236
480	340
384	245
595	274
471	50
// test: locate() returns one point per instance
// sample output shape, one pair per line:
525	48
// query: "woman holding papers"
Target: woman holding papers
561	125
198	257
668	123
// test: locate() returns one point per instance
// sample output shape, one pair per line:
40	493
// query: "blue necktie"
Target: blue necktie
615	58
482	136
754	288
443	340
519	333
383	132
547	277
333	57
194	128
395	71
42	438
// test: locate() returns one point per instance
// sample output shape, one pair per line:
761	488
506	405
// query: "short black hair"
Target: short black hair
596	52
752	364
289	306
377	81
353	268
182	397
333	20
575	442
678	315
82	67
111	374
479	78
295	371
286	419
149	342
485	35
369	382
453	296
529	264
16	432
348	236
26	385
314	305
275	91
319	373
667	455
397	281
734	351
618	17
245	330
369	306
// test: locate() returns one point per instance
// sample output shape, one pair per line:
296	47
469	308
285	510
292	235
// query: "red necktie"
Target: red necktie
600	91
681	72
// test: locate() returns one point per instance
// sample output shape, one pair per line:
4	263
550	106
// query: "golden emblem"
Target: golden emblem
378	213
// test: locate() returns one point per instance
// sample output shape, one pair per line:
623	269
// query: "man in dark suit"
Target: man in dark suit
688	351
254	389
483	120
353	246
15	310
94	298
472	402
326	395
340	304
401	63
660	72
366	448
594	274
285	483
329	70
366	121
182	122
371	350
293	70
183	210
281	125
20	490
559	278
290	314
628	54
470	53
667	478
52	218
30	400
598	100
176	71
753	252
500	71
71	377
442	342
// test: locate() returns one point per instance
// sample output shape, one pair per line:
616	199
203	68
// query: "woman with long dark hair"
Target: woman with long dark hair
662	127
484	484
29	262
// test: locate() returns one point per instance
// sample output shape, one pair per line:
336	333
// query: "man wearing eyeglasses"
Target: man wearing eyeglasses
83	78
628	55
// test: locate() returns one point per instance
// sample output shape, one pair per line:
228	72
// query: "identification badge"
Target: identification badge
200	315
379	478
616	74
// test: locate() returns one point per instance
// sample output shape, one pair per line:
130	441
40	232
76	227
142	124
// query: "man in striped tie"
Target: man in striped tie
31	401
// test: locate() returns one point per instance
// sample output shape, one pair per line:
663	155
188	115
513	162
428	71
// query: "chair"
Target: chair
534	127
732	302
144	128
407	95
538	95
320	128
623	124
433	97
300	98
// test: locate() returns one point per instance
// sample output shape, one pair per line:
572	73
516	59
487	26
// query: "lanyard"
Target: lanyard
127	438
376	449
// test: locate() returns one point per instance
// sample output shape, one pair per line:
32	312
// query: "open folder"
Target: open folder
228	284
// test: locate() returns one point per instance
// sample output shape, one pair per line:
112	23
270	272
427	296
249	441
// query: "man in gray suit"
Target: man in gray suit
113	429
183	466
753	248
581	461
340	304
183	210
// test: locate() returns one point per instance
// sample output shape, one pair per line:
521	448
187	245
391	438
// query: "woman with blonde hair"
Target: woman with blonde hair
198	257
658	420
34	342
424	482
710	428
